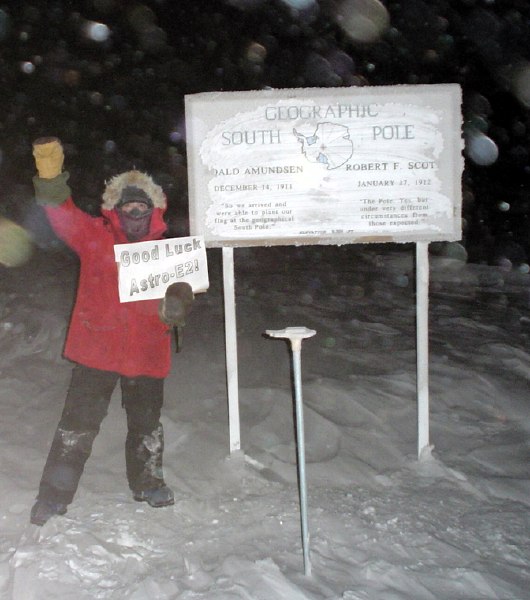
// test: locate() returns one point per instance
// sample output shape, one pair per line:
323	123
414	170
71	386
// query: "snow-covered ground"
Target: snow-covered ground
383	525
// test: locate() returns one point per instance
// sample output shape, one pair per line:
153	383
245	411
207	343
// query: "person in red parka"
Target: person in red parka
107	340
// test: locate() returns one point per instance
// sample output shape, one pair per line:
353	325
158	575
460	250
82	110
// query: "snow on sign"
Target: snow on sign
147	269
326	166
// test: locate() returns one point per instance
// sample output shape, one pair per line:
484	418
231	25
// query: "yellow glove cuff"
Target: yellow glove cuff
49	157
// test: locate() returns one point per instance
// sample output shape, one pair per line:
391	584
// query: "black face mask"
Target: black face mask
135	224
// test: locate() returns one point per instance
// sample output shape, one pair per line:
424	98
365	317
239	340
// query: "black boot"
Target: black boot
43	510
158	497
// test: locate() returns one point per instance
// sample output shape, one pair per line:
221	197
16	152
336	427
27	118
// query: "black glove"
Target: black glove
176	304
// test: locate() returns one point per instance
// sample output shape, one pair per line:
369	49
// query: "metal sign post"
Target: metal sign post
231	348
422	344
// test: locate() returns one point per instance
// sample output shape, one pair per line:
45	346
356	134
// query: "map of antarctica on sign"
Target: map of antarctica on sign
330	145
325	166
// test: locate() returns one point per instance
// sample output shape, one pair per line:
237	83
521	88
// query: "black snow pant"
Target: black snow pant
85	408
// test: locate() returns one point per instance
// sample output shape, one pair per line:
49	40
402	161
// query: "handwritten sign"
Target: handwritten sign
325	166
147	269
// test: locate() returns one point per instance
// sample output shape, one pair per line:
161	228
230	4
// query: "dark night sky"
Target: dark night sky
109	77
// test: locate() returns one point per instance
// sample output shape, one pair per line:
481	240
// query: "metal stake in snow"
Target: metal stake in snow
295	335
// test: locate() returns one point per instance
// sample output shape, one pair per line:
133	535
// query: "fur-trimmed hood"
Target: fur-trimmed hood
115	187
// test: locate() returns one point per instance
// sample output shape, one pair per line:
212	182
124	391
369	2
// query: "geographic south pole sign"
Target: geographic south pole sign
325	166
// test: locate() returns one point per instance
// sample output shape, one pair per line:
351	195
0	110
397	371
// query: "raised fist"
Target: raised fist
49	157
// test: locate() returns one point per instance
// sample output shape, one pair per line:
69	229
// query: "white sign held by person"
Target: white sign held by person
147	269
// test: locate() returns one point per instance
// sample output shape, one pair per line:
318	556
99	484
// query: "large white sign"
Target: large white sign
323	166
147	269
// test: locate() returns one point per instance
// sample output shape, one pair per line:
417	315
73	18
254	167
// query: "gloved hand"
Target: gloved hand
176	304
49	157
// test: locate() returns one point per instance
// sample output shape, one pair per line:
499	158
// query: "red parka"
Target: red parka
128	338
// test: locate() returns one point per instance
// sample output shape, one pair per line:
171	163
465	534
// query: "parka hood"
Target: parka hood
112	195
114	188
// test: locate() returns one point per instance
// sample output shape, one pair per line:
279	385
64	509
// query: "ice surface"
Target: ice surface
383	525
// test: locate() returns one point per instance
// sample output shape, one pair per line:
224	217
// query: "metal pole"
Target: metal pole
422	343
295	335
231	348
296	346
